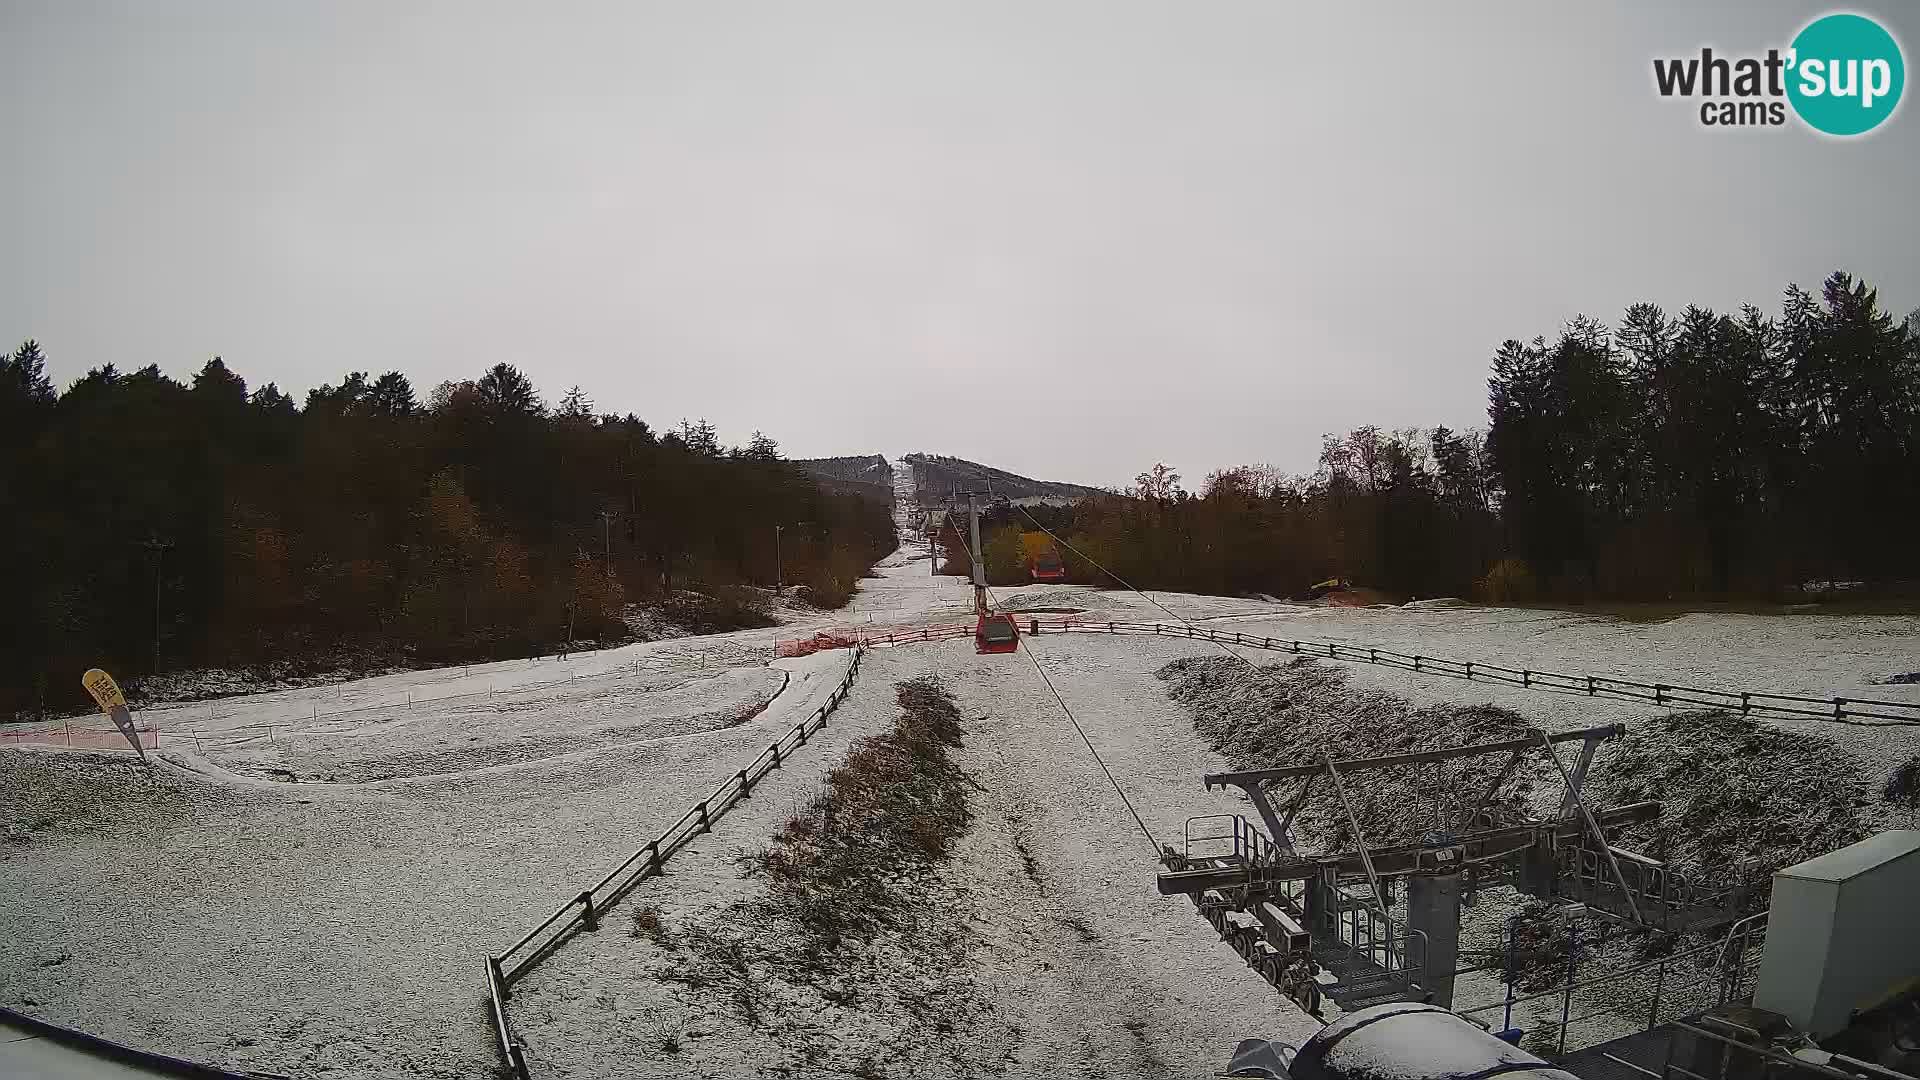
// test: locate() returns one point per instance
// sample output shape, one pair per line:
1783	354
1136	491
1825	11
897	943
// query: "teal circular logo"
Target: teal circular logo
1846	74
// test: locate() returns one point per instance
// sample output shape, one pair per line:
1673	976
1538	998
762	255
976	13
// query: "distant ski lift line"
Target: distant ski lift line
1074	720
1192	629
1351	724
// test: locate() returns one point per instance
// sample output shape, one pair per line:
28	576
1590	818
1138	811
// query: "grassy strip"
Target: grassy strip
894	806
857	955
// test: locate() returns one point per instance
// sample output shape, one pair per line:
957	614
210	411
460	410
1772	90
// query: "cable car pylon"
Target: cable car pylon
992	632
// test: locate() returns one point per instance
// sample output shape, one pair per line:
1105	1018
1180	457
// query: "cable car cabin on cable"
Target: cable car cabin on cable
996	634
1043	561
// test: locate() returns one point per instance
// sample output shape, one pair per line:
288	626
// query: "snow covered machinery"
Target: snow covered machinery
1397	1041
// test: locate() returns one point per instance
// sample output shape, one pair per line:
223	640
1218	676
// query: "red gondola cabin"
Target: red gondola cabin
996	634
1046	566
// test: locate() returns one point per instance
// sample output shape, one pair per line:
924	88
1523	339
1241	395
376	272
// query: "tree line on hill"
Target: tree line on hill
217	526
1697	455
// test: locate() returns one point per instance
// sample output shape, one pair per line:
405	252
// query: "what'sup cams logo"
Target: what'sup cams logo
1842	75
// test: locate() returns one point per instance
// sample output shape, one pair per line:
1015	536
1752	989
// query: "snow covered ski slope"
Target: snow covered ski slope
312	900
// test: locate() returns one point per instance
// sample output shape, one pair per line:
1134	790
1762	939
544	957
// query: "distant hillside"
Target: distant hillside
934	477
869	477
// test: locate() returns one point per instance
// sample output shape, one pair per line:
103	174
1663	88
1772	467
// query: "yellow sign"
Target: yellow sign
104	690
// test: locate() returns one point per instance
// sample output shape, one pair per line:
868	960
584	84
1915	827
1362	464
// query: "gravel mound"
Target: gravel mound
1301	712
1736	791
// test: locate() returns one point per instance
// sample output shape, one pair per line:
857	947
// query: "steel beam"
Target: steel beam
1483	847
1257	776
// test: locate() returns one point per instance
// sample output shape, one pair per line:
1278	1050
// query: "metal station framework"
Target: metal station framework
1293	915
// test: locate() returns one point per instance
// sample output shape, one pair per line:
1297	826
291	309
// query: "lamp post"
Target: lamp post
606	523
158	549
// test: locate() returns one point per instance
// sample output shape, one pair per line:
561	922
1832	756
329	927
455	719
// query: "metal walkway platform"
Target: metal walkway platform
1632	1057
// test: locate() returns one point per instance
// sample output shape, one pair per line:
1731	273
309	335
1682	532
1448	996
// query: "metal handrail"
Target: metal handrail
1725	972
585	908
1780	1062
1666	695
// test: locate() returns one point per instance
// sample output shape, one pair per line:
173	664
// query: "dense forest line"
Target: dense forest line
216	526
1698	455
1671	456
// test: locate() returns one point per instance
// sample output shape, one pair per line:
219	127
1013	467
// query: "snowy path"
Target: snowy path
1087	968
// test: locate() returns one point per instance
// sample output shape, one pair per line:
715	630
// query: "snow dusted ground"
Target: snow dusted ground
335	926
1075	960
1815	655
502	727
326	928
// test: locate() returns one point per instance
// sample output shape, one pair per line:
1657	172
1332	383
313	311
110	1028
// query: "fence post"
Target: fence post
1507	1023
1839	709
1470	676
1745	702
1589	686
745	786
1659	693
499	976
590	918
706	823
1566	999
776	754
1659	983
1416	661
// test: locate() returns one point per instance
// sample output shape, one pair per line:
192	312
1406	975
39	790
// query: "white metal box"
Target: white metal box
1843	933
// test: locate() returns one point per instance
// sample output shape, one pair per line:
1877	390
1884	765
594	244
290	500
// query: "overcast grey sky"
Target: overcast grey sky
1067	239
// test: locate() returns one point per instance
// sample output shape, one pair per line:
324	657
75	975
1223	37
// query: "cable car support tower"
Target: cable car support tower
992	633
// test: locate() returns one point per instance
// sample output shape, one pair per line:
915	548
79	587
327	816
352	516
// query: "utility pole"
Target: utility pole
979	566
606	523
779	578
158	548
